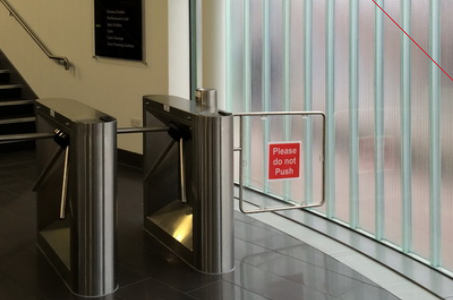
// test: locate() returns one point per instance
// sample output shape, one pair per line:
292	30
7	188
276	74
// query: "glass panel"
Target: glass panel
366	102
435	160
446	136
237	37
420	127
392	124
341	100
297	63
300	55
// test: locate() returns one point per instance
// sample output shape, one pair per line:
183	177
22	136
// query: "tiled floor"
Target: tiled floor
269	263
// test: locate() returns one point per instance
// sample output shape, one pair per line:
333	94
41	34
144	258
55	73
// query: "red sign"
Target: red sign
284	160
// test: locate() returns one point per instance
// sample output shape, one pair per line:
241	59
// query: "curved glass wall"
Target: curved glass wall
388	106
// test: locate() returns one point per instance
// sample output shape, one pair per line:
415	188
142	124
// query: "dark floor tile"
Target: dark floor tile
28	156
15	204
22	190
13	166
126	277
151	290
243	249
269	263
304	273
246	221
136	243
367	292
7	246
277	241
32	297
29	269
249	233
315	257
5	196
223	290
12	290
170	270
265	236
244	218
305	252
342	270
240	216
63	293
270	285
17	229
8	179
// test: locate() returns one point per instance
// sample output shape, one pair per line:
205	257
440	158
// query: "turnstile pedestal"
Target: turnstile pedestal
76	226
188	189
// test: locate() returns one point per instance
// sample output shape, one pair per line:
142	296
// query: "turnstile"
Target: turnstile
76	205
188	189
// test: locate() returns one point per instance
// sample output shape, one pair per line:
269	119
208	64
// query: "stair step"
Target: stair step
17	126
17	120
9	86
10	102
10	91
4	76
16	109
17	146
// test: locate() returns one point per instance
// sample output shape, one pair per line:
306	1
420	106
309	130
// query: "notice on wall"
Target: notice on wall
118	29
284	160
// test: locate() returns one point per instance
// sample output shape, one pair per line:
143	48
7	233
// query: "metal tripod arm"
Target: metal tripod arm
159	160
62	139
182	178
64	186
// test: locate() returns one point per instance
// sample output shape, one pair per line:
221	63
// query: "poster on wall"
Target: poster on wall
118	31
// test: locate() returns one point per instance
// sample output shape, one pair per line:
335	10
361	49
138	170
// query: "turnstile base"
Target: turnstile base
176	220
54	241
172	227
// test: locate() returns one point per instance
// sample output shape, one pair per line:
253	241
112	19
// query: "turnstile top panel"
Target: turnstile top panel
71	111
178	107
158	101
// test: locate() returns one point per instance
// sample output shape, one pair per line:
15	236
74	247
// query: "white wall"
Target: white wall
178	48
66	27
212	49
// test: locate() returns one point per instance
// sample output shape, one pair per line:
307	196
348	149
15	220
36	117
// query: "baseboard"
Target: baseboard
130	158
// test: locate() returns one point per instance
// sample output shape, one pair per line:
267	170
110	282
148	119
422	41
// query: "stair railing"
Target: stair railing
61	60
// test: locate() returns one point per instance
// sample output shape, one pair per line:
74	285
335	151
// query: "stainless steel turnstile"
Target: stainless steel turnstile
188	185
76	209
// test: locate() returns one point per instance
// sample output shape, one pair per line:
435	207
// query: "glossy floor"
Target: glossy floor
269	263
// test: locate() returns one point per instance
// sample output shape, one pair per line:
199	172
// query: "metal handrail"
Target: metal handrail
61	60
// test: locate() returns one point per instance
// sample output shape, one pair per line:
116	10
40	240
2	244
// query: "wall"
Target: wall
115	87
178	48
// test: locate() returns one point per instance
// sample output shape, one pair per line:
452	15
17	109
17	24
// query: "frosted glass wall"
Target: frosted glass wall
389	107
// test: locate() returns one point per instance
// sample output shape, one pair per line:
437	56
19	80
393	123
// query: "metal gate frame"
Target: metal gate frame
241	168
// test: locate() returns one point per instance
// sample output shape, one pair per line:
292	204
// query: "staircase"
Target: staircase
16	106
